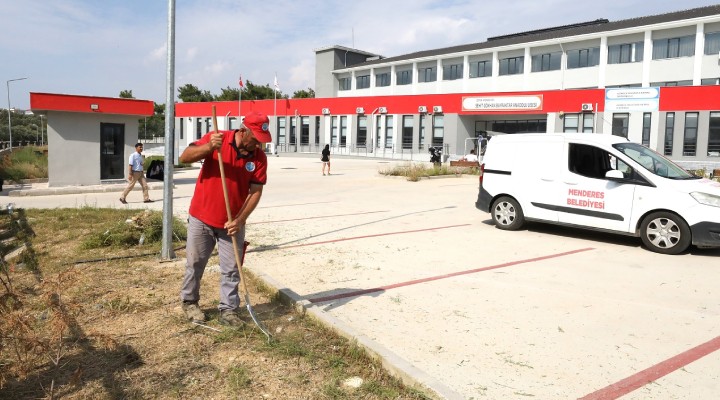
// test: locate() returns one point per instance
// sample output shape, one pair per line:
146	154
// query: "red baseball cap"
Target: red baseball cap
258	124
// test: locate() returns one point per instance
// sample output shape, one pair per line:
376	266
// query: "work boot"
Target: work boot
193	311
230	318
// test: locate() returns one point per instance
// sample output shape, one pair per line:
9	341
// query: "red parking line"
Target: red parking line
655	372
316	217
435	278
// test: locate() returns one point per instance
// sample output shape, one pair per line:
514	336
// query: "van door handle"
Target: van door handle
571	183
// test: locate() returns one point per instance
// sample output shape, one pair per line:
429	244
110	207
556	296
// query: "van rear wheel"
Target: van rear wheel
665	233
507	214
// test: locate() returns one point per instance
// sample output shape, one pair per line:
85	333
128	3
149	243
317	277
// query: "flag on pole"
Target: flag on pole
277	87
240	82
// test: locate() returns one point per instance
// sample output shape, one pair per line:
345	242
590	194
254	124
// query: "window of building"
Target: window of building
304	130
690	137
438	130
343	130
669	132
361	131
714	135
582	122
362	82
546	62
198	128
281	130
382	80
421	138
344	84
317	130
293	130
452	72
407	131
512	66
404	77
626	53
646	129
520	126
479	69
674	48
583	58
333	131
389	132
672	83
182	127
378	130
427	74
710	81
712	43
620	124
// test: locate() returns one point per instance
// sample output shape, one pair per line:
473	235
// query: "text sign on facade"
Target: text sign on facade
502	103
632	99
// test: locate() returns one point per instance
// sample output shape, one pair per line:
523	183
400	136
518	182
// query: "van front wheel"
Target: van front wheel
507	214
666	233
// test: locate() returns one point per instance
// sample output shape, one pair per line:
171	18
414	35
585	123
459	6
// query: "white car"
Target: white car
600	182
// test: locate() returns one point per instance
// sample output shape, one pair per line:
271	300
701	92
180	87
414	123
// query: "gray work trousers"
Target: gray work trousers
201	240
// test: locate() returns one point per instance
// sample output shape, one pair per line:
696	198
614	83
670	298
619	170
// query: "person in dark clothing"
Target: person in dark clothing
326	159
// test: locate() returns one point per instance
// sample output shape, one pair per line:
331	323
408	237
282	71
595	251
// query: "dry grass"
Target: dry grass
415	171
111	327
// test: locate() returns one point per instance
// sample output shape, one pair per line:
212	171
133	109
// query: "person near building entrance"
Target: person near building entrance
472	156
135	174
326	159
245	170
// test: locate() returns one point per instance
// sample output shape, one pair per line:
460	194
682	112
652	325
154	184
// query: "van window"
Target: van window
594	162
653	161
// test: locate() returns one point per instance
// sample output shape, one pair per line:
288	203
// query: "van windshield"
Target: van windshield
653	161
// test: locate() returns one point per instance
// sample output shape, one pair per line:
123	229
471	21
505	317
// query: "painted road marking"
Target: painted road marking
317	217
269	248
435	278
655	372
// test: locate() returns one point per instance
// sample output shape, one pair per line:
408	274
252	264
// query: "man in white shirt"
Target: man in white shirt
135	174
472	156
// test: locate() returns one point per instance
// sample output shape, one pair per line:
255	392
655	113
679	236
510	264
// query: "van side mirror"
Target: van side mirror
614	175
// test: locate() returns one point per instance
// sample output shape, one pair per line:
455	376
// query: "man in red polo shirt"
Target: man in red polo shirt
245	167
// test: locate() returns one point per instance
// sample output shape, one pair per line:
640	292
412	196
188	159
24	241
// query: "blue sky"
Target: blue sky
101	47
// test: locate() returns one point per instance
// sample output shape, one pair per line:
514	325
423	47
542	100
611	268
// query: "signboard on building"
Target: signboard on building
503	103
632	99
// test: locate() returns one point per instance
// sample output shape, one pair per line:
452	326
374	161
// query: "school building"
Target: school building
653	79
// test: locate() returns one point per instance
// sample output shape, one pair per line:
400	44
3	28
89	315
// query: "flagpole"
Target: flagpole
275	95
242	86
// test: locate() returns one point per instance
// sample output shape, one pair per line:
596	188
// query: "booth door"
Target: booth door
112	157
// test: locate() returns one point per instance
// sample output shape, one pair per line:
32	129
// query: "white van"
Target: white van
601	182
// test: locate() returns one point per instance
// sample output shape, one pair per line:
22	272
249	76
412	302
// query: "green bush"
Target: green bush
413	172
24	163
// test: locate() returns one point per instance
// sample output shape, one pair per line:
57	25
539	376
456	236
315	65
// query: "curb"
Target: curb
398	367
77	190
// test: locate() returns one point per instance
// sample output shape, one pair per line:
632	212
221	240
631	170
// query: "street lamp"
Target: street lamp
42	132
37	132
7	83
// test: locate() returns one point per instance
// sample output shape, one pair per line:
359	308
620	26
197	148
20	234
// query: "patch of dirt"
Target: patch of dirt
113	328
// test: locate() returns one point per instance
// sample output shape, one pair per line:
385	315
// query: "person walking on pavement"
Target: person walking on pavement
326	159
245	169
135	174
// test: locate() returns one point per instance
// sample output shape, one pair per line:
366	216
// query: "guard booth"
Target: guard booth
89	138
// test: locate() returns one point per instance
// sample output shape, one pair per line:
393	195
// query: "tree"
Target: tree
304	94
228	94
190	93
126	94
257	92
